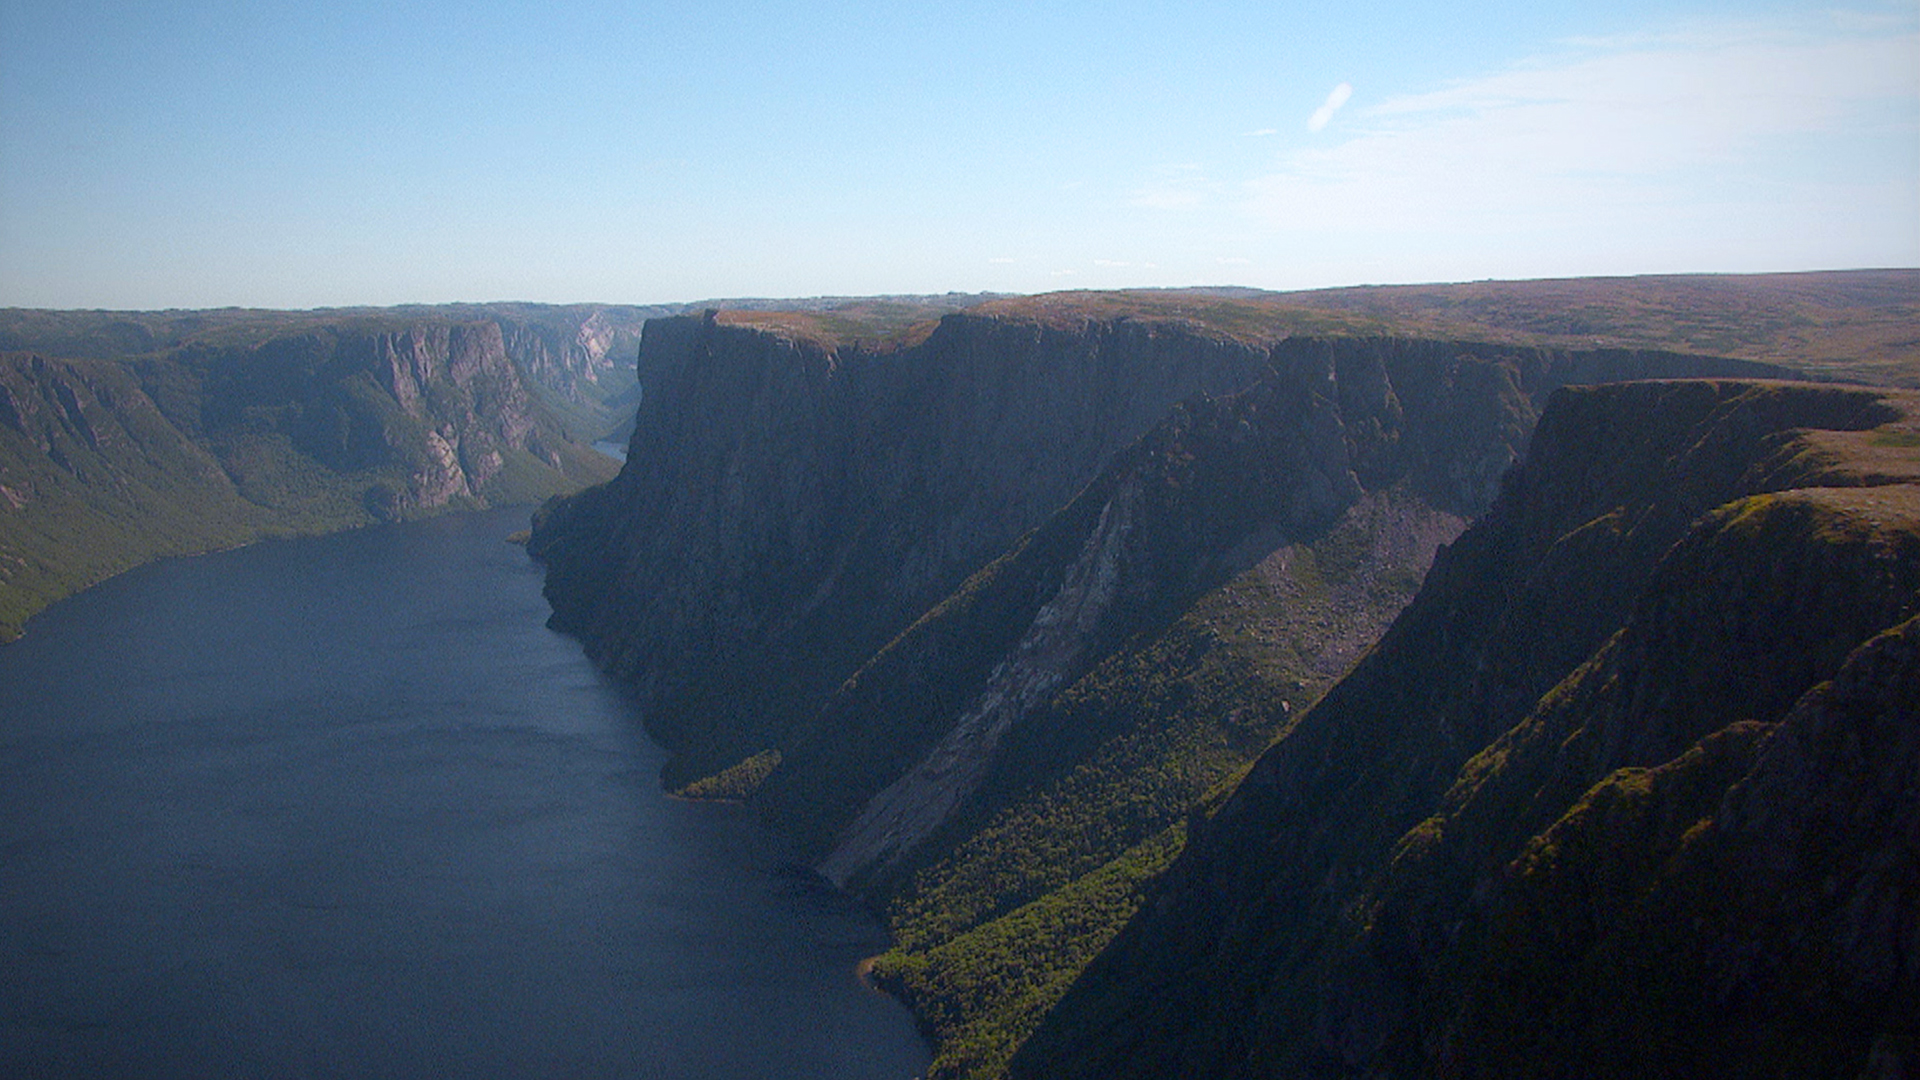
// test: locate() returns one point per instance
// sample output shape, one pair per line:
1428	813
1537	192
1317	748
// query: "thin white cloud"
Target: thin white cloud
1324	114
1732	135
1260	133
1173	187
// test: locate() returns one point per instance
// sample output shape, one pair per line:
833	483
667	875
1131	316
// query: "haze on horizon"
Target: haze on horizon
211	153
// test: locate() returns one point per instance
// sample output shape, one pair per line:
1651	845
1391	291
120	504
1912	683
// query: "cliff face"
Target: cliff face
1216	489
1626	790
787	509
113	462
575	354
438	407
1004	751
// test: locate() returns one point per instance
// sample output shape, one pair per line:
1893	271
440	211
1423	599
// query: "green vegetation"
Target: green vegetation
980	993
735	782
1089	799
1623	753
1852	325
196	443
1651	841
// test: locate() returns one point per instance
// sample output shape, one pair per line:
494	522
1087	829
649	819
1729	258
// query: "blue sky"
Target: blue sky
271	154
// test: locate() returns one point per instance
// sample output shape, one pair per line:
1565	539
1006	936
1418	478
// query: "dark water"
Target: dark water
344	807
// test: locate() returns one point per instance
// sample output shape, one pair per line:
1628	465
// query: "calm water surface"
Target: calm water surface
345	807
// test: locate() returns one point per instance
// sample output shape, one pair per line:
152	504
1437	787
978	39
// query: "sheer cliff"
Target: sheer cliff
438	411
1626	790
1005	755
788	508
791	506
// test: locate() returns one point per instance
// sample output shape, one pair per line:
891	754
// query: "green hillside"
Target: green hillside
107	463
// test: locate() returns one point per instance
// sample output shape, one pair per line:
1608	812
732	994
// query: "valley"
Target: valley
1198	682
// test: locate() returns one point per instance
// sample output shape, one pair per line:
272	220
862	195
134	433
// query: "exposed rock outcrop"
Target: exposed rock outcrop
573	350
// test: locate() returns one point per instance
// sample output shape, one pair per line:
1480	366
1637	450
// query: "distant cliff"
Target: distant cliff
106	463
576	354
433	412
313	420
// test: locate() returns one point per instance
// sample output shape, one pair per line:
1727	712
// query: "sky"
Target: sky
204	153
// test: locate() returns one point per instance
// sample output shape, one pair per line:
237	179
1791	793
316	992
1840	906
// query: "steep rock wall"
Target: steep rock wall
1588	669
1004	764
572	355
1070	704
1212	491
786	509
438	409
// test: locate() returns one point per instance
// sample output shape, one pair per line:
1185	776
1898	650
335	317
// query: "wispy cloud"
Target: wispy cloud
1173	187
1735	128
1323	115
1260	133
